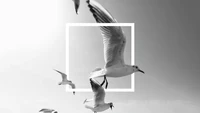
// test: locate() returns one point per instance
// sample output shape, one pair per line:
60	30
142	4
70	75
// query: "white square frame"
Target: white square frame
132	25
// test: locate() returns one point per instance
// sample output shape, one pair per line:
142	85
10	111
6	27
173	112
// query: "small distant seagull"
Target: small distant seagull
76	4
114	42
48	111
99	95
65	81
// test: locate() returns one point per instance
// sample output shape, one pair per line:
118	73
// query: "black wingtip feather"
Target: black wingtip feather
76	8
92	10
98	14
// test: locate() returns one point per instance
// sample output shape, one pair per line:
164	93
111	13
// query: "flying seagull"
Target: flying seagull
65	81
114	41
99	95
48	111
89	100
76	4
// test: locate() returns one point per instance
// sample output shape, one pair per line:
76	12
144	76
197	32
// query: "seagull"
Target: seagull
48	111
65	81
76	4
114	42
99	95
89	100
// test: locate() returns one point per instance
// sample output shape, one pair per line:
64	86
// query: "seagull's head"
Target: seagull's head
111	105
55	112
137	69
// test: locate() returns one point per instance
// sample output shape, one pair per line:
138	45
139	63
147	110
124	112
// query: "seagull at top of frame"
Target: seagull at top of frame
65	81
99	96
114	41
45	110
76	5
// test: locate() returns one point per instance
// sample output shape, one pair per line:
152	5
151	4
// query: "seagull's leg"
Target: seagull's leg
106	84
103	81
106	81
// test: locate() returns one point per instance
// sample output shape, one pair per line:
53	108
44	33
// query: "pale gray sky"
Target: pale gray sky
32	43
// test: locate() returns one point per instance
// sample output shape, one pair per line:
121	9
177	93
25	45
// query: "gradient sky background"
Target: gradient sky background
32	43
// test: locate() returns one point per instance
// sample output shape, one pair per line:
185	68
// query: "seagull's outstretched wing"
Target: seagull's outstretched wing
76	4
99	93
98	72
64	76
88	100
45	110
113	37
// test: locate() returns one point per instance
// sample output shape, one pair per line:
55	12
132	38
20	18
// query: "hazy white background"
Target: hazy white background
32	43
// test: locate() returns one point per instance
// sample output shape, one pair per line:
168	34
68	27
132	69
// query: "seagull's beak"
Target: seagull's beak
141	71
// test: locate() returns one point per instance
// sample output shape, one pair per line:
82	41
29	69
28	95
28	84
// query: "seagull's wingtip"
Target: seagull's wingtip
55	69
85	101
41	110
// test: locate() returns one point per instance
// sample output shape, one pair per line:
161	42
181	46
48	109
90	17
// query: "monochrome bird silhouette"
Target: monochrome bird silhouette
99	96
65	81
114	41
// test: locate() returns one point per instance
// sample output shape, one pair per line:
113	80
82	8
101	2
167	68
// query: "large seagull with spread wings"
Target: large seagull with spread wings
114	42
